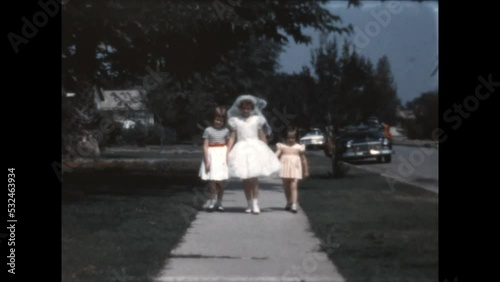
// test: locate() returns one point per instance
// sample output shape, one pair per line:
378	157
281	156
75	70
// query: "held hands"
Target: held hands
207	166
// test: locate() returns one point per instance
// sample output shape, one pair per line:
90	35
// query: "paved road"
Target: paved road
275	245
417	165
410	164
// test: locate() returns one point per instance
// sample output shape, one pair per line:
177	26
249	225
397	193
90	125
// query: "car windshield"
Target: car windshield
362	136
314	132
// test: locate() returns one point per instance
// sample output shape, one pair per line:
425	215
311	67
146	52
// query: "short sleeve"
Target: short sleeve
302	148
261	121
279	146
206	133
226	134
231	122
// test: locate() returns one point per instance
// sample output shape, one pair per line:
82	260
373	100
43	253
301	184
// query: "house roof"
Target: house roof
406	114
120	100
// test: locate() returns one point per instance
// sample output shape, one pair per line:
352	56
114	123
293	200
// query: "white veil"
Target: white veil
259	104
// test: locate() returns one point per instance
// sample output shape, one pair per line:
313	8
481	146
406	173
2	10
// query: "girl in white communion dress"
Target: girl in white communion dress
250	157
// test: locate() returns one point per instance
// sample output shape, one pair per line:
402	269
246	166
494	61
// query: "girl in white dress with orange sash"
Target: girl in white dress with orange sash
214	164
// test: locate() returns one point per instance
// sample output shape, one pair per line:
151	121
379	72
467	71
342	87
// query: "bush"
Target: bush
111	134
159	135
142	135
425	108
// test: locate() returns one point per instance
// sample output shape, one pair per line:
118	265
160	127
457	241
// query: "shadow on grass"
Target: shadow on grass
372	232
122	227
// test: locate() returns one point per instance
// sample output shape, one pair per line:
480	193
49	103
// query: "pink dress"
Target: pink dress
291	165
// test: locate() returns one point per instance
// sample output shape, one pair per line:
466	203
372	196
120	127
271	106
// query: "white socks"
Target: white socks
250	207
255	206
211	203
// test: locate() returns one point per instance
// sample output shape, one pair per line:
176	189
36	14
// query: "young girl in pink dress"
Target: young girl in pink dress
293	167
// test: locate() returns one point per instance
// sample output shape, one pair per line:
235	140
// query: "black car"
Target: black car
357	143
362	142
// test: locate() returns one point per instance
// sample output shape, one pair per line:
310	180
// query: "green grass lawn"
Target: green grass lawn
121	227
373	232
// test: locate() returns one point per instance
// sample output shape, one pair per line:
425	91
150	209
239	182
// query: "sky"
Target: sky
405	31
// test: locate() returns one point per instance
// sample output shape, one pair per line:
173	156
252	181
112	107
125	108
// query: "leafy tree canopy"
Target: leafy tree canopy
117	40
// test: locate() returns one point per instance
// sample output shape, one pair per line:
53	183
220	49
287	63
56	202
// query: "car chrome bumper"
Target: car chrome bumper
366	154
312	142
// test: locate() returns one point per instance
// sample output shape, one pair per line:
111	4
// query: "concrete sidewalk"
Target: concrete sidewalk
275	245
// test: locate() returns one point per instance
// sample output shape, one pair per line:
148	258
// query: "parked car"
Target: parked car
360	142
373	122
354	143
313	139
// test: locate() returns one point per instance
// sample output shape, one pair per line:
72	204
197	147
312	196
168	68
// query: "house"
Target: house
403	117
124	106
405	114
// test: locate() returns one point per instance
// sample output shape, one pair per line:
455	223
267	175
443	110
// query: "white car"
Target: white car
313	139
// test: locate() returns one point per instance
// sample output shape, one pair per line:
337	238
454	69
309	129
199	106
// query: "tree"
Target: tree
425	108
328	72
292	95
78	113
188	105
118	40
385	93
350	89
210	50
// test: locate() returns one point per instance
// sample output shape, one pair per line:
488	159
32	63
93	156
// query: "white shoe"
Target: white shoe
218	206
211	205
250	207
294	208
255	207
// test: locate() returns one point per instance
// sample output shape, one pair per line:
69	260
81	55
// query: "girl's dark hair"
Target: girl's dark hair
220	112
291	129
244	103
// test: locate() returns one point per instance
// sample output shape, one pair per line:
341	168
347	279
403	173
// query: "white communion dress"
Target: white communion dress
250	157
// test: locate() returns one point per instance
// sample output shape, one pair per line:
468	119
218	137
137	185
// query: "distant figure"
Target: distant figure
214	165
387	131
250	157
293	167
